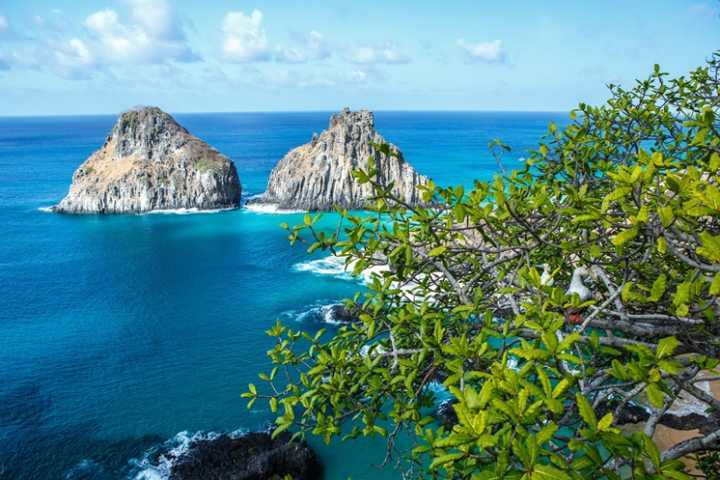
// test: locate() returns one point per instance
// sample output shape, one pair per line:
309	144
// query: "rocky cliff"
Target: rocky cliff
150	162
318	175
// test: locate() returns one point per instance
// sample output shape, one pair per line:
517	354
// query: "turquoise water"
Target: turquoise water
117	333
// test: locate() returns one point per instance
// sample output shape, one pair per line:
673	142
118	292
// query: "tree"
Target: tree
626	199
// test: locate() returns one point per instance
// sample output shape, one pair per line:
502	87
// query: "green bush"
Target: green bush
626	198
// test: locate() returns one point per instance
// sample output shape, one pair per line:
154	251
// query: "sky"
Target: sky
105	56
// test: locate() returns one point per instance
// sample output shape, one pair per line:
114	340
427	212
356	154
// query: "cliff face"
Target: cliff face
150	162
318	175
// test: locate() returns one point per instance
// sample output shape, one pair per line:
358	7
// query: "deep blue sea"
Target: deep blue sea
118	333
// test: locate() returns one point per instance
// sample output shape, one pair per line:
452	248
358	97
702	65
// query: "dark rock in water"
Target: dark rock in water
254	456
339	313
678	419
318	175
150	162
446	414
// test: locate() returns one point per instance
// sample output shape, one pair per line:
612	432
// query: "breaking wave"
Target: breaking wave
270	208
157	463
335	266
186	211
319	312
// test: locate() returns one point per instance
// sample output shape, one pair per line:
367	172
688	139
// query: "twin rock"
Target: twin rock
150	162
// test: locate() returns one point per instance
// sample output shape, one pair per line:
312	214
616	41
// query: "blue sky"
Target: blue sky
104	56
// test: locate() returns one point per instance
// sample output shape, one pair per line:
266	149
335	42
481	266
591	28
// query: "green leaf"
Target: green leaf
586	411
605	422
443	459
666	347
652	451
715	285
547	472
561	387
625	236
714	161
281	428
658	288
655	395
437	251
546	433
666	216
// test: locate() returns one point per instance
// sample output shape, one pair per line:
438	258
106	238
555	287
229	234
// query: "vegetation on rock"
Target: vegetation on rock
626	198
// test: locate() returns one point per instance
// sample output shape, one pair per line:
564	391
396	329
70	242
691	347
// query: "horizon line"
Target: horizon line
105	114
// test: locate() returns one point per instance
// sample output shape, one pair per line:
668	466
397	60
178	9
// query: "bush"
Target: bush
626	200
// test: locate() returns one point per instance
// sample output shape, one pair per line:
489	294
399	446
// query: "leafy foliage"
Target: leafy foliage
626	198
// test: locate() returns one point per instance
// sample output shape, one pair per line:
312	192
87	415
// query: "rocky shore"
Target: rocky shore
318	175
253	456
150	162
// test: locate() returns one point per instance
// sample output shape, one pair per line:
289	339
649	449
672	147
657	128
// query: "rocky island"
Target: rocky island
150	162
318	175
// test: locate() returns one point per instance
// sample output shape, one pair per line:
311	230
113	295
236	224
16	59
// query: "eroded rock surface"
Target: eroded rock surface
150	162
318	175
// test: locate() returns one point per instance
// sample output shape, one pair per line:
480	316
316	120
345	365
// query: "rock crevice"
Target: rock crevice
150	162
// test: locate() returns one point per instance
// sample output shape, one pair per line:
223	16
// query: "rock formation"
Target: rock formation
254	456
318	175
150	162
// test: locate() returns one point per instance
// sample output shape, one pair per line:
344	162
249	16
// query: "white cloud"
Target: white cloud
155	36
4	24
489	52
150	35
371	55
245	39
72	59
311	47
67	58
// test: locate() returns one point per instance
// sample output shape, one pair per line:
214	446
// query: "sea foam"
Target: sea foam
186	211
270	208
319	312
335	266
169	211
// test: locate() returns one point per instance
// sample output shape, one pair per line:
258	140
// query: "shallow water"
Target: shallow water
119	332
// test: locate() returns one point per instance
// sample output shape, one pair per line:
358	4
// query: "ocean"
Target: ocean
125	336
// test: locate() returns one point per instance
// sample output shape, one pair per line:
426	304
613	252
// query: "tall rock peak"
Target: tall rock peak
150	162
318	175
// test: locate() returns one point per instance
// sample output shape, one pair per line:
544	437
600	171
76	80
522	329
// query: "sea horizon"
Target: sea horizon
330	111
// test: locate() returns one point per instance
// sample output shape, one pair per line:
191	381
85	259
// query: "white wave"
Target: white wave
270	208
319	312
330	265
49	209
154	467
186	211
335	266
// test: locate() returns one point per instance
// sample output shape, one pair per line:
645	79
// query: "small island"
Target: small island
150	162
318	175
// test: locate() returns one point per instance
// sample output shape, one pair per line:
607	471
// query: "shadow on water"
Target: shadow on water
73	452
23	406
